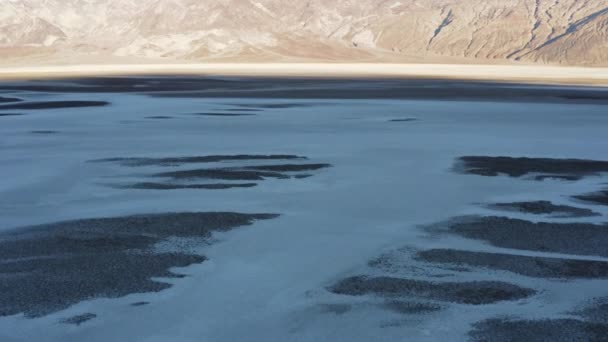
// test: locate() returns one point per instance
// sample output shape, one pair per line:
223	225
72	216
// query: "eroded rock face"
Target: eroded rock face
568	31
105	257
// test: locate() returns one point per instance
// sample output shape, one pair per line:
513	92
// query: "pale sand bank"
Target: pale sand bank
511	73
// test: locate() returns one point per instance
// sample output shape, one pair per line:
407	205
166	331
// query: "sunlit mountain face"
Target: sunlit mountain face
563	32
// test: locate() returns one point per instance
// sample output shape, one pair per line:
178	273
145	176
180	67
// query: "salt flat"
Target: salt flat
337	209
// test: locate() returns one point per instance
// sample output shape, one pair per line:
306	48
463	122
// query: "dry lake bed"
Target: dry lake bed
260	209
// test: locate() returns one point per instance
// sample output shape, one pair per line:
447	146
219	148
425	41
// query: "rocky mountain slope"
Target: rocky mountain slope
573	32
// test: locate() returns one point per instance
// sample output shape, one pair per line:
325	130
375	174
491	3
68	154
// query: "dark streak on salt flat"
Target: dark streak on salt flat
170	186
538	267
403	120
159	117
11	114
311	88
590	324
568	238
250	173
223	174
140	303
53	105
600	197
9	99
474	292
176	161
47	268
554	330
44	132
223	114
79	319
574	169
544	207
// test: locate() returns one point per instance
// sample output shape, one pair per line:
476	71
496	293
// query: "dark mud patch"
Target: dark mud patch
544	207
168	186
47	268
79	319
538	267
600	197
412	308
245	110
9	99
289	167
159	117
11	114
224	114
403	120
573	169
499	330
176	161
54	105
246	173
474	293
44	132
139	303
597	312
276	105
221	174
568	238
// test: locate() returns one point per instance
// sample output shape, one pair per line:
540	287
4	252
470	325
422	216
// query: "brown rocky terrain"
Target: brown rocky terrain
568	32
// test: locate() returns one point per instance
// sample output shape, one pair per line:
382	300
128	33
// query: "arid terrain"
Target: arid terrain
563	32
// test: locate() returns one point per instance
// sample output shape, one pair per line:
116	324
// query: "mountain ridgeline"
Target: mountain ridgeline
567	32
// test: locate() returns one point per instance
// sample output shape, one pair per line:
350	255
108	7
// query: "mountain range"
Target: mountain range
563	32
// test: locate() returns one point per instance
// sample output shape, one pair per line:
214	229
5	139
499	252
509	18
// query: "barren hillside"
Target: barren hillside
573	32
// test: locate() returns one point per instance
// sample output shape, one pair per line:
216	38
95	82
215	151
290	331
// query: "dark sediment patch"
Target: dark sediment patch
302	176
276	105
9	99
289	167
600	197
222	174
251	173
245	110
573	169
597	312
47	268
44	132
310	88
11	114
168	186
223	114
499	330
140	303
411	308
159	117
569	238
539	267
54	105
544	207
403	120
176	161
475	292
79	319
